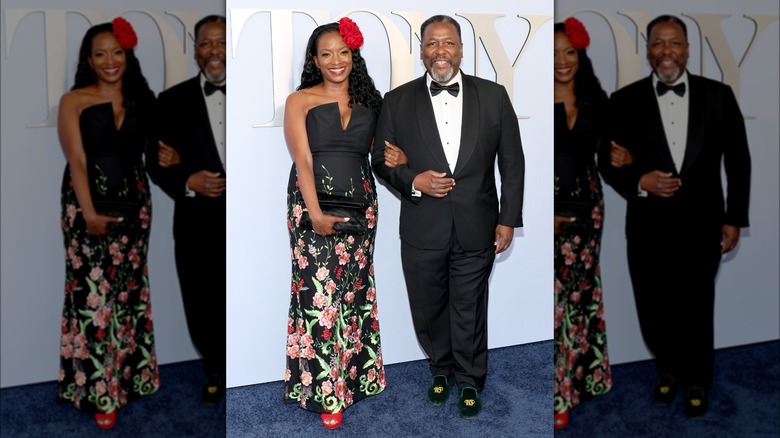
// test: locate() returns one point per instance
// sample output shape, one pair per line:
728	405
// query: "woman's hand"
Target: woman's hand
559	220
619	156
394	156
98	224
167	156
323	224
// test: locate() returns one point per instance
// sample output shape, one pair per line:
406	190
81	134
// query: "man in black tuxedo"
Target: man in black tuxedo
678	128
189	165
452	127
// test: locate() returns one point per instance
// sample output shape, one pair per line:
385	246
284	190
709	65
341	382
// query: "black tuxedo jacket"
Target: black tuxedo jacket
183	123
489	130
716	134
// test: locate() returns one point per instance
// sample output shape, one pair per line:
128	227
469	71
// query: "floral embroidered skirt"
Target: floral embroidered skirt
107	355
334	357
581	361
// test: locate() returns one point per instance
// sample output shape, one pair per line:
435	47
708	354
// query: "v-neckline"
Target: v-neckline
117	127
566	117
344	127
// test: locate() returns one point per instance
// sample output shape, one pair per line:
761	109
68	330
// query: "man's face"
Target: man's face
210	51
667	51
441	51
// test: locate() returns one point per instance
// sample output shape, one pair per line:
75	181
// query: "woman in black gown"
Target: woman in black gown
107	354
334	357
581	361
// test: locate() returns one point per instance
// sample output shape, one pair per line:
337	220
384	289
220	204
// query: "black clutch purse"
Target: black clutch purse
124	209
577	209
340	206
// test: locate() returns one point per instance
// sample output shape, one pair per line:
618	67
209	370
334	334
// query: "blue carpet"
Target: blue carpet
175	410
517	401
744	401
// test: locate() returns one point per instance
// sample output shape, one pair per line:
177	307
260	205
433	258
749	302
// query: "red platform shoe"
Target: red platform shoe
331	421
561	420
105	421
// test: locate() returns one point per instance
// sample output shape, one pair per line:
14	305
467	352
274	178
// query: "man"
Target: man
191	159
451	225
677	129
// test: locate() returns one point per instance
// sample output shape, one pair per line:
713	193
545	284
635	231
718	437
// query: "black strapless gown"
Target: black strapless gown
107	354
334	357
582	369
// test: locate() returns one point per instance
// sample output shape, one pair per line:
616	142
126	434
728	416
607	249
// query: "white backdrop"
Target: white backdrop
264	66
725	45
39	41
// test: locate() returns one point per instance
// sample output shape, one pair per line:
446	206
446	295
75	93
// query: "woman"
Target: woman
334	356
581	362
107	354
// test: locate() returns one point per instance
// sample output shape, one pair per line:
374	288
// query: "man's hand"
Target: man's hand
619	156
504	236
433	183
660	183
167	156
729	239
207	183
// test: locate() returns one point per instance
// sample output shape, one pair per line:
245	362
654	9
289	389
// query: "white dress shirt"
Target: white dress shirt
674	115
448	111
215	104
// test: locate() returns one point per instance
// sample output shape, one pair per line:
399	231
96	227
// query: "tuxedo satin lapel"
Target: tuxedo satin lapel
426	124
469	130
657	134
696	111
203	126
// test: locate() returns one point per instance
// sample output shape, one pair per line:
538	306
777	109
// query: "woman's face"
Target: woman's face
566	58
334	59
107	58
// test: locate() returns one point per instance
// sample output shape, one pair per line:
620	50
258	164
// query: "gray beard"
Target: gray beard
669	78
442	79
216	80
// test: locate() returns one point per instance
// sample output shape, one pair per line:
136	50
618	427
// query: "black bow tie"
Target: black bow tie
437	88
210	88
661	88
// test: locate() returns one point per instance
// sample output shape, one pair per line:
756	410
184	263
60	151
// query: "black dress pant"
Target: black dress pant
201	267
448	296
673	277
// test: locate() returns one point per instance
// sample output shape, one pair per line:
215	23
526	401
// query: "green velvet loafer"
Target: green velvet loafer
695	402
665	390
439	392
469	404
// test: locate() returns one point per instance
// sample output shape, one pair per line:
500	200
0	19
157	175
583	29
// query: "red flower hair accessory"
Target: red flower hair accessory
351	33
124	33
578	35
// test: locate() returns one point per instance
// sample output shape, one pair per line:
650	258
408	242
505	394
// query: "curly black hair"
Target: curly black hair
135	88
361	87
587	87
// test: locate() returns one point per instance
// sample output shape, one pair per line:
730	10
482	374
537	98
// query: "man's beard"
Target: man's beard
214	79
442	79
670	78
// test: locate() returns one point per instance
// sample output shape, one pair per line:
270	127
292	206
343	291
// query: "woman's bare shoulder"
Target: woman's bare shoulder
80	98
